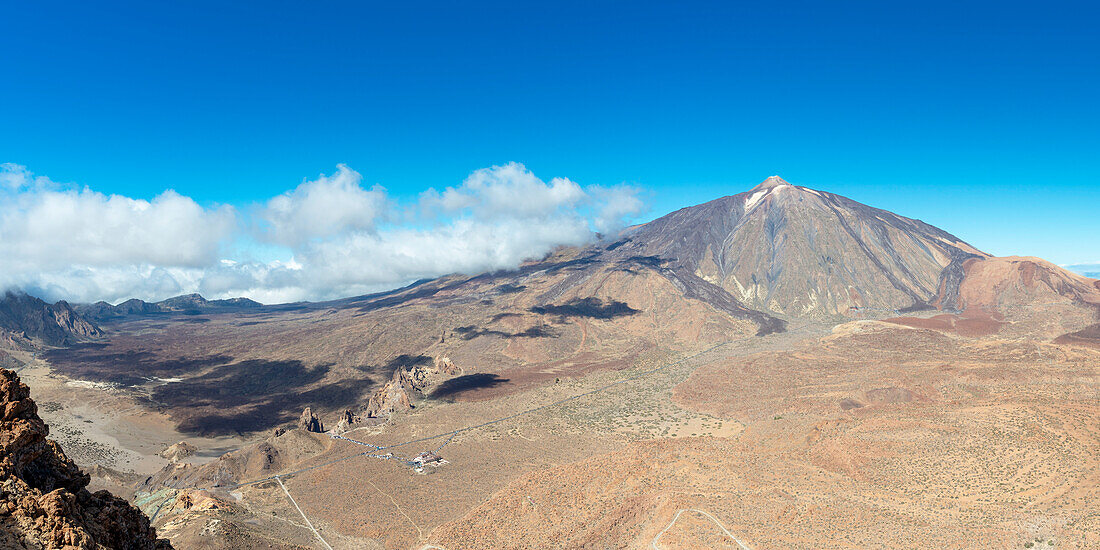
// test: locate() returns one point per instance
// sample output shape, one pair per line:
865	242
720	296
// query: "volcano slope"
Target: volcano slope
714	351
789	249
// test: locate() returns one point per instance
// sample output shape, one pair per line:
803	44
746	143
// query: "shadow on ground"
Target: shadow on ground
219	396
593	308
254	395
455	387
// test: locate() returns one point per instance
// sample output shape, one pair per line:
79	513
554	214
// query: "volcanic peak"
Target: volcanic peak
770	183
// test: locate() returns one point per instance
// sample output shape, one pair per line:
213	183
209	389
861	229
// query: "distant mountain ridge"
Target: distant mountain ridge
1088	270
187	303
27	320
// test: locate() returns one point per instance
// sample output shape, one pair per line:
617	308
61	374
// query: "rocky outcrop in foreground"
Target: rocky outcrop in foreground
44	502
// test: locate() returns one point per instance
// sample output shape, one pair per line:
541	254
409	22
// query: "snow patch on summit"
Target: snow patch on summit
755	198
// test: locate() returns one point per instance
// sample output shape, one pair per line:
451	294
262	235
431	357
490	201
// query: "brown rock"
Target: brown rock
310	423
179	451
446	366
393	396
44	500
347	420
397	394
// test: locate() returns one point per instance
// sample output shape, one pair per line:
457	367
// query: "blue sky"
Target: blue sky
980	118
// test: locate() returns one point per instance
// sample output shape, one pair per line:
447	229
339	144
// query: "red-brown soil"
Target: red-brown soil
971	323
959	443
1014	282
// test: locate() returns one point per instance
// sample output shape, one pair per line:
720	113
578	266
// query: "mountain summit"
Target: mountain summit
791	250
770	183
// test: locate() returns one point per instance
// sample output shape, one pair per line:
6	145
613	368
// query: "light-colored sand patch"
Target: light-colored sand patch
91	385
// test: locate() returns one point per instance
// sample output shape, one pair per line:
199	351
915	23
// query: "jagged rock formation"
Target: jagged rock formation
422	375
393	396
29	319
347	420
397	394
310	423
44	502
444	365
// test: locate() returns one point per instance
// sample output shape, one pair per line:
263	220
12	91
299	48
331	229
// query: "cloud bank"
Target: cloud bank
333	236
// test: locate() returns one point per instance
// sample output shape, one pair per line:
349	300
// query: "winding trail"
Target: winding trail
654	546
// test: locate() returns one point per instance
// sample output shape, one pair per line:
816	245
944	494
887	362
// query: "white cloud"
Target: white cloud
616	205
322	208
509	191
14	177
337	238
50	229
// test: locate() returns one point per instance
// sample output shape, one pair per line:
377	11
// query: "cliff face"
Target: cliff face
31	318
44	502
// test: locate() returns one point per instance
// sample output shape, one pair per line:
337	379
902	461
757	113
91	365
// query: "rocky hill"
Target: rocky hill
45	502
26	320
